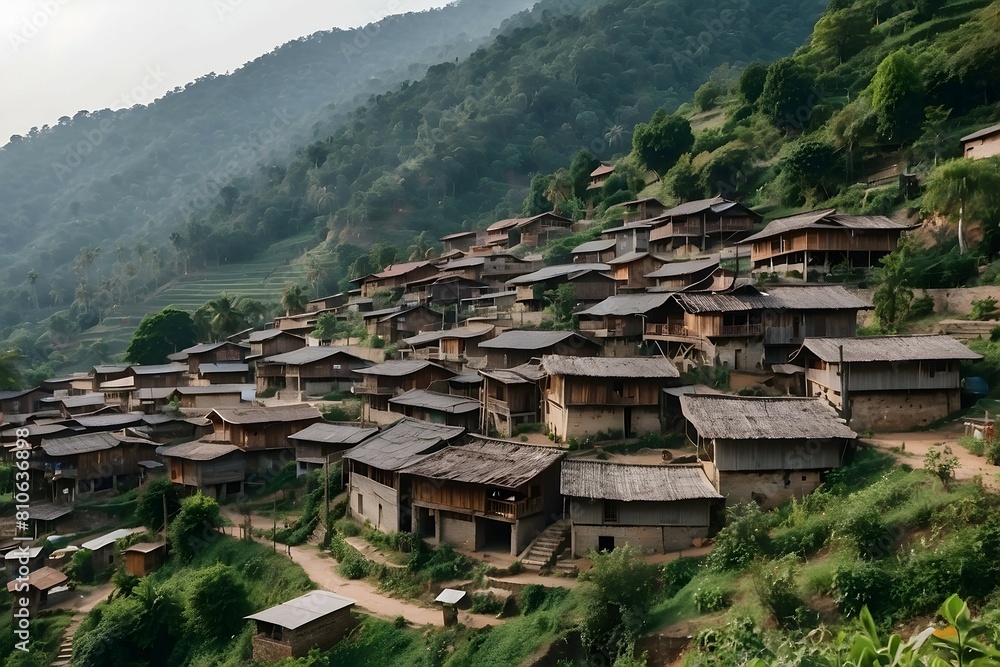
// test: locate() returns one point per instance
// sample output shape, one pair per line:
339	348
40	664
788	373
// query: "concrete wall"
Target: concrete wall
526	530
374	494
768	489
580	421
650	539
901	410
458	530
751	354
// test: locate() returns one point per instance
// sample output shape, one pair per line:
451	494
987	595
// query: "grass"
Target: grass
682	607
46	636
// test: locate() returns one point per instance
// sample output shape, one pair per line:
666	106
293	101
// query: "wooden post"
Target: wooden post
274	528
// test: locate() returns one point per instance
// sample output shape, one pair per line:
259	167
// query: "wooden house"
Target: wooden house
643	209
318	619
460	241
585	395
24	558
211	396
746	329
600	176
261	432
701	273
450	290
762	449
38	584
491	306
395	277
323	443
17	404
159	376
487	494
470	267
630	238
310	371
500	267
213	469
272	342
383	381
377	493
697	226
591	283
102	373
600	251
631	271
512	398
327	303
982	143
394	324
516	347
656	508
81	404
451	347
533	231
104	548
808	245
891	383
622	318
91	462
145	558
210	353
224	373
437	408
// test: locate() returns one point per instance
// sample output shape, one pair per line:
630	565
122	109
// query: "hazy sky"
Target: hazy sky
60	56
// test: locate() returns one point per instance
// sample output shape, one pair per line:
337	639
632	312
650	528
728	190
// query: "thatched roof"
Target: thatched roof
826	219
609	367
279	413
197	450
603	480
339	434
763	418
888	348
508	465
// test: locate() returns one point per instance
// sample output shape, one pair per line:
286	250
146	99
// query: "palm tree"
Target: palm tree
421	244
614	135
961	188
294	298
10	376
315	272
226	318
254	312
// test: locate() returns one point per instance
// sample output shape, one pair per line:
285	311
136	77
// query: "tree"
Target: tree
683	180
707	95
560	188
961	189
562	303
619	591
810	165
893	296
160	334
660	142
786	98
217	602
194	525
842	33
10	376
294	298
225	316
584	162
149	504
751	81
942	463
32	279
897	93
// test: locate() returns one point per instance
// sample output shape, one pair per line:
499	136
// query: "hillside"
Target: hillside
124	179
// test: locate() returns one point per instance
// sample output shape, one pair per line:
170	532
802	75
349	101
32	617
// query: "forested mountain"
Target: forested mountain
124	179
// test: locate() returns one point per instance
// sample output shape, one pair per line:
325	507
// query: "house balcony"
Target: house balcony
735	330
669	330
723	226
373	390
514	509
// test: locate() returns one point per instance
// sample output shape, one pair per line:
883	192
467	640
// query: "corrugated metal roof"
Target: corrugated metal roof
394	270
403	443
557	271
464	263
627	304
530	339
603	480
88	442
304	609
432	400
338	434
458	332
308	355
77	401
400	368
456	235
223	367
889	348
594	246
827	218
268	334
978	134
508	465
609	367
43	579
696	206
805	297
206	390
763	418
280	413
48	511
112	420
523	374
629	257
197	450
159	369
109	369
674	269
146	547
202	348
110	538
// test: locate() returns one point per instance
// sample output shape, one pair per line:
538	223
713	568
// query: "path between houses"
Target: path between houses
320	569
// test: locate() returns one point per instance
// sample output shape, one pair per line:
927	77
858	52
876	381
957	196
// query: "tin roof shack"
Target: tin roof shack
620	321
23	556
486	495
495	306
533	231
768	450
982	143
394	324
392	378
103	549
600	251
630	238
437	408
213	469
746	329
502	266
657	508
319	443
584	396
516	347
210	396
591	283
221	373
210	353
643	209
376	491
271	342
697	226
892	383
701	273
395	277
631	270
262	433
310	371
15	405
91	462
513	397
146	557
76	405
325	303
318	619
808	245
159	376
452	347
460	241
102	373
39	583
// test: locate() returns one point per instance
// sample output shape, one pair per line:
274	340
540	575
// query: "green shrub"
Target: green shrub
531	598
920	307
975	446
866	531
744	538
347	528
353	566
267	393
984	309
81	566
774	583
486	603
710	598
864	584
678	573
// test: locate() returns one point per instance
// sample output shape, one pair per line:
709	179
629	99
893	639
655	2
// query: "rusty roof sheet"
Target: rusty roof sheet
889	348
763	418
603	480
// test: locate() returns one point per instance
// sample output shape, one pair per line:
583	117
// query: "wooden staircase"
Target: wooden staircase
66	647
543	551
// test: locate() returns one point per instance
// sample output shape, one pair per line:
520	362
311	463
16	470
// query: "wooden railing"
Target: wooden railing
728	226
666	329
741	330
514	509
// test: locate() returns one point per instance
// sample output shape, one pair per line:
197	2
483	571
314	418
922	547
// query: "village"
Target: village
484	429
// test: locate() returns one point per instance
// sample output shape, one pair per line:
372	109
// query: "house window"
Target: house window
610	512
618	387
336	367
361	504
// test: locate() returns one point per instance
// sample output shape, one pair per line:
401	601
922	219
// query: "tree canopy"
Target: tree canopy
160	334
660	142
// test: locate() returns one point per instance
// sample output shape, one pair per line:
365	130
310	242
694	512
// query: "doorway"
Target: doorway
496	535
627	426
605	543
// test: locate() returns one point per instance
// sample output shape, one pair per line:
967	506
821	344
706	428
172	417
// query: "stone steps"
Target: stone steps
546	547
66	646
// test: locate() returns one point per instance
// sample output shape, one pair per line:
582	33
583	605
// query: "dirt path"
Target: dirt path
83	603
320	568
